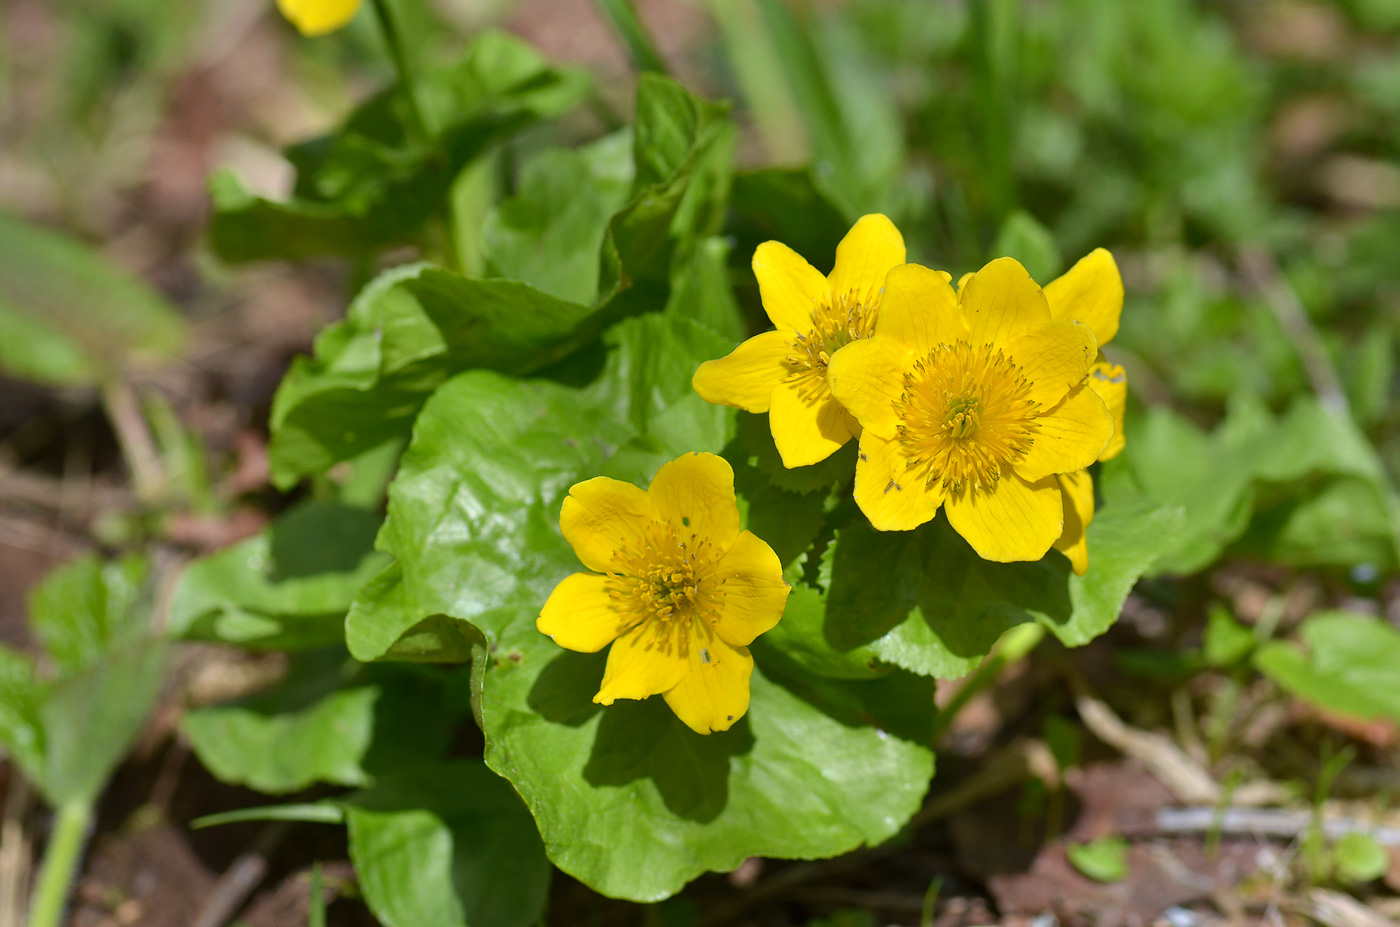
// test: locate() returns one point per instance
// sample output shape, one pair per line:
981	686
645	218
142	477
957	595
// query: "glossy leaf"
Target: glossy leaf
1351	665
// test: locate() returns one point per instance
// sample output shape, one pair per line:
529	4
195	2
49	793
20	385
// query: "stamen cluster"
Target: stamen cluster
844	318
965	417
666	580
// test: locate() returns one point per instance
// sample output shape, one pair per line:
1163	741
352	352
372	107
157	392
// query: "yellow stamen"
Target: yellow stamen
844	318
965	417
666	581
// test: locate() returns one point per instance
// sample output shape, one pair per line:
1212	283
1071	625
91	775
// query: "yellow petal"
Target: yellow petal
865	255
1001	301
1091	292
600	515
789	287
1077	490
640	666
1110	381
745	377
919	309
696	491
1069	437
754	591
1015	521
579	614
714	692
317	17
1053	357
867	377
962	281
808	424
892	498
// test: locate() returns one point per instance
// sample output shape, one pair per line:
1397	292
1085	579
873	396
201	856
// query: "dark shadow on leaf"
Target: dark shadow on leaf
321	537
645	740
563	692
873	584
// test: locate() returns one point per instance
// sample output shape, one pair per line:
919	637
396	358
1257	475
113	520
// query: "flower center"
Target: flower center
965	415
666	581
844	318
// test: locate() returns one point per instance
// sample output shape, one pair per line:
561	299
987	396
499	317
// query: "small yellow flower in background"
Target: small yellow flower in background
1092	292
317	17
784	372
679	591
976	401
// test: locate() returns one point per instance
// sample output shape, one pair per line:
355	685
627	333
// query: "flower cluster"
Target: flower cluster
989	400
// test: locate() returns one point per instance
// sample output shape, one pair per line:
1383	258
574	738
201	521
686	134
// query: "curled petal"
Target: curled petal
580	615
1016	520
1069	437
865	256
745	377
808	424
696	491
600	515
1090	292
714	692
1110	382
1001	301
789	287
755	594
1077	490
889	495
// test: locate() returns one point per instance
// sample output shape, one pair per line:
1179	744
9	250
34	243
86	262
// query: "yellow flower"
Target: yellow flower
317	17
976	401
1091	292
784	372
679	591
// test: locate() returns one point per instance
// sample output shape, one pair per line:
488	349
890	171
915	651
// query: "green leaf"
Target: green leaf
308	812
287	588
627	798
1103	860
1351	665
376	183
448	844
549	234
21	696
940	607
1227	642
1360	858
412	328
1292	468
264	746
68	316
785	204
78	612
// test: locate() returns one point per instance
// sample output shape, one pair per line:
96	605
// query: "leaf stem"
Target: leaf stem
623	15
394	39
61	856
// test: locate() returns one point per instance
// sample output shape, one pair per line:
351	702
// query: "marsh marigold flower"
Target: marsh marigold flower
677	589
976	401
1090	292
317	17
784	372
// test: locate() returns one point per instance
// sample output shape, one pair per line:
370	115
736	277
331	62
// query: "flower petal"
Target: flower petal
1069	437
919	309
714	692
808	424
1077	490
1001	301
754	590
1054	357
599	515
789	287
867	377
1015	521
580	615
640	666
865	256
886	492
1110	381
745	377
1090	292
317	17
696	491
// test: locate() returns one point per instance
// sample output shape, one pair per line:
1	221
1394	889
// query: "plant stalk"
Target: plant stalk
60	865
399	54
